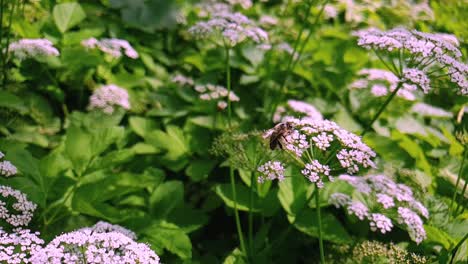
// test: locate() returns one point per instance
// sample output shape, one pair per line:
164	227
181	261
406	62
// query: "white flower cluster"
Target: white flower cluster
90	247
107	97
112	46
105	227
271	170
182	80
18	246
314	170
429	110
296	108
7	169
33	48
357	12
208	92
392	199
229	29
382	82
20	212
429	53
325	149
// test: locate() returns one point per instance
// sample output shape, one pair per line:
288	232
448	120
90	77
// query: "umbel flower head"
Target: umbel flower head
19	245
228	29
108	97
105	227
321	148
33	48
420	57
389	199
7	169
87	246
208	92
382	82
296	108
113	46
18	213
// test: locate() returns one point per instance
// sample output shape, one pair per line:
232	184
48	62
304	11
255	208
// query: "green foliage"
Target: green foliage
162	168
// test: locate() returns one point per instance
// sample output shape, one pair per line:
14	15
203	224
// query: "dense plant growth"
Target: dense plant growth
233	131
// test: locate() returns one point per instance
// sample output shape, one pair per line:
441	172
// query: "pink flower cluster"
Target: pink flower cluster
382	82
229	29
428	53
389	199
114	47
314	171
325	148
33	48
107	97
86	246
271	170
296	108
105	227
7	169
18	246
20	212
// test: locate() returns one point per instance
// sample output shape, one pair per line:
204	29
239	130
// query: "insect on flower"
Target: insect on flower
278	133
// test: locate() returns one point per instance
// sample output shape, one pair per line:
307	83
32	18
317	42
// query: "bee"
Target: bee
277	134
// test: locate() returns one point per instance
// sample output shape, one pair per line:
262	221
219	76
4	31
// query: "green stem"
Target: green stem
319	220
236	211
458	181
309	35
231	169
291	59
228	86
7	44
285	233
251	202
382	108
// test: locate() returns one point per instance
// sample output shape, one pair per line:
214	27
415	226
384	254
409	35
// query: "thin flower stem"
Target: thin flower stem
458	181
382	108
285	233
7	44
236	211
312	26
291	59
319	219
231	169
251	202
385	63
455	249
460	172
228	85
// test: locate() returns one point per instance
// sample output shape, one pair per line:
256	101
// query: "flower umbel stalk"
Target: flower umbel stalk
319	220
382	108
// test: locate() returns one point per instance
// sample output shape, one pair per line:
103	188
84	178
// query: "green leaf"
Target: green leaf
166	197
267	205
142	126
173	141
200	169
171	237
293	194
332	229
438	236
68	15
12	101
